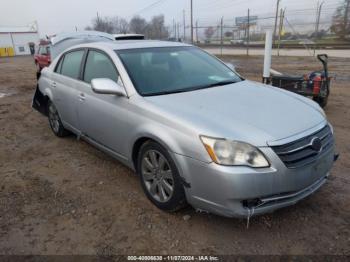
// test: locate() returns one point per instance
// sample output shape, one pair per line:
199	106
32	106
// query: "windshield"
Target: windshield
166	70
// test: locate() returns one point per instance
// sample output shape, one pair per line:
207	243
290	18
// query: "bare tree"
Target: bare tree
341	20
111	25
138	25
209	32
121	25
156	28
102	24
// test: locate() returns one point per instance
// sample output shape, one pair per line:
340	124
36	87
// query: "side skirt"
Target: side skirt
108	151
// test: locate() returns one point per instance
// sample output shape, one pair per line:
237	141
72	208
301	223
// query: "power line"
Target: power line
149	7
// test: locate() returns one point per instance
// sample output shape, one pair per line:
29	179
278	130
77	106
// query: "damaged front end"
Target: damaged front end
39	102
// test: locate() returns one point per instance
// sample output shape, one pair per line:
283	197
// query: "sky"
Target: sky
55	16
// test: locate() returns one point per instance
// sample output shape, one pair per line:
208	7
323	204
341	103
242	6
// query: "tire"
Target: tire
160	179
55	121
322	101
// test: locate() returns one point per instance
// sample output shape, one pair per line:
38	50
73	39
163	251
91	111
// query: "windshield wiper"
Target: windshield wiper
221	83
189	89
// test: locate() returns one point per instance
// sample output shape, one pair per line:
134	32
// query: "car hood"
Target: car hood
245	111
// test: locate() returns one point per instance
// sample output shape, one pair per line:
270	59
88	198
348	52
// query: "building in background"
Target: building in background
18	40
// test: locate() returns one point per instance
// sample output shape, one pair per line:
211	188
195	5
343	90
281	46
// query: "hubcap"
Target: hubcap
54	118
157	175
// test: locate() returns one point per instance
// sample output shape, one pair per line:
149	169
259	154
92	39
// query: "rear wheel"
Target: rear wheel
160	178
55	121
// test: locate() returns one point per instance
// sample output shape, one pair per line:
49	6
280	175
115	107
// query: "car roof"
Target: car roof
131	44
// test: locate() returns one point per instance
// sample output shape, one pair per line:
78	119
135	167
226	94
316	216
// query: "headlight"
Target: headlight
233	153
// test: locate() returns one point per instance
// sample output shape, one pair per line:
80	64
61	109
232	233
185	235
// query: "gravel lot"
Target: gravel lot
62	196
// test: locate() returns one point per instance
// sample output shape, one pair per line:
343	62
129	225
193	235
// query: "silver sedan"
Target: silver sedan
194	130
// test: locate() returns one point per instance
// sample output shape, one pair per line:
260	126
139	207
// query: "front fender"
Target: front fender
171	139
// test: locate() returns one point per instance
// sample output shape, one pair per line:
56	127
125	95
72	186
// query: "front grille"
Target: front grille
300	152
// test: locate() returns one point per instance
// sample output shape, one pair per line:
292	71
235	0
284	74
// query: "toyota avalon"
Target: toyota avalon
193	130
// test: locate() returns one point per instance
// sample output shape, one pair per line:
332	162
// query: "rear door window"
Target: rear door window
71	64
99	65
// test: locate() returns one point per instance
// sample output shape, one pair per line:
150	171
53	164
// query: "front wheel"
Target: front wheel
160	178
55	121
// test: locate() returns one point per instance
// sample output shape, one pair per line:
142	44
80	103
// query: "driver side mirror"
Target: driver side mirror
107	86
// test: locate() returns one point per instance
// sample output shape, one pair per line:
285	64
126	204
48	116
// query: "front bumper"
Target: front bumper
241	191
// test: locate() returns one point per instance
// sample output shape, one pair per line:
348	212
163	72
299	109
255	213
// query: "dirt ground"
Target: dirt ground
63	196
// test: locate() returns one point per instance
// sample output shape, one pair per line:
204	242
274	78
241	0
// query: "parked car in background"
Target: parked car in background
42	57
193	129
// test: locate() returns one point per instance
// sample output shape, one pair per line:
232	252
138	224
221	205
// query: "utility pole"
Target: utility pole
222	30
197	31
275	29
192	21
184	21
319	9
218	33
178	32
280	29
174	28
248	33
175	32
346	17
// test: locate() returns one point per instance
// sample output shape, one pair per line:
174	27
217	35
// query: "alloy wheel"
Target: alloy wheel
54	118
157	175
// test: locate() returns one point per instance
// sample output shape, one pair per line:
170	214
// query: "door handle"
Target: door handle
53	84
81	96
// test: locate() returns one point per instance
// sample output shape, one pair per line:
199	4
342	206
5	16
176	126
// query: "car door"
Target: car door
64	83
46	59
102	117
39	56
42	56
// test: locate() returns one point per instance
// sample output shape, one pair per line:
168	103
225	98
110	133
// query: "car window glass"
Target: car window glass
98	65
43	50
71	64
59	65
174	69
